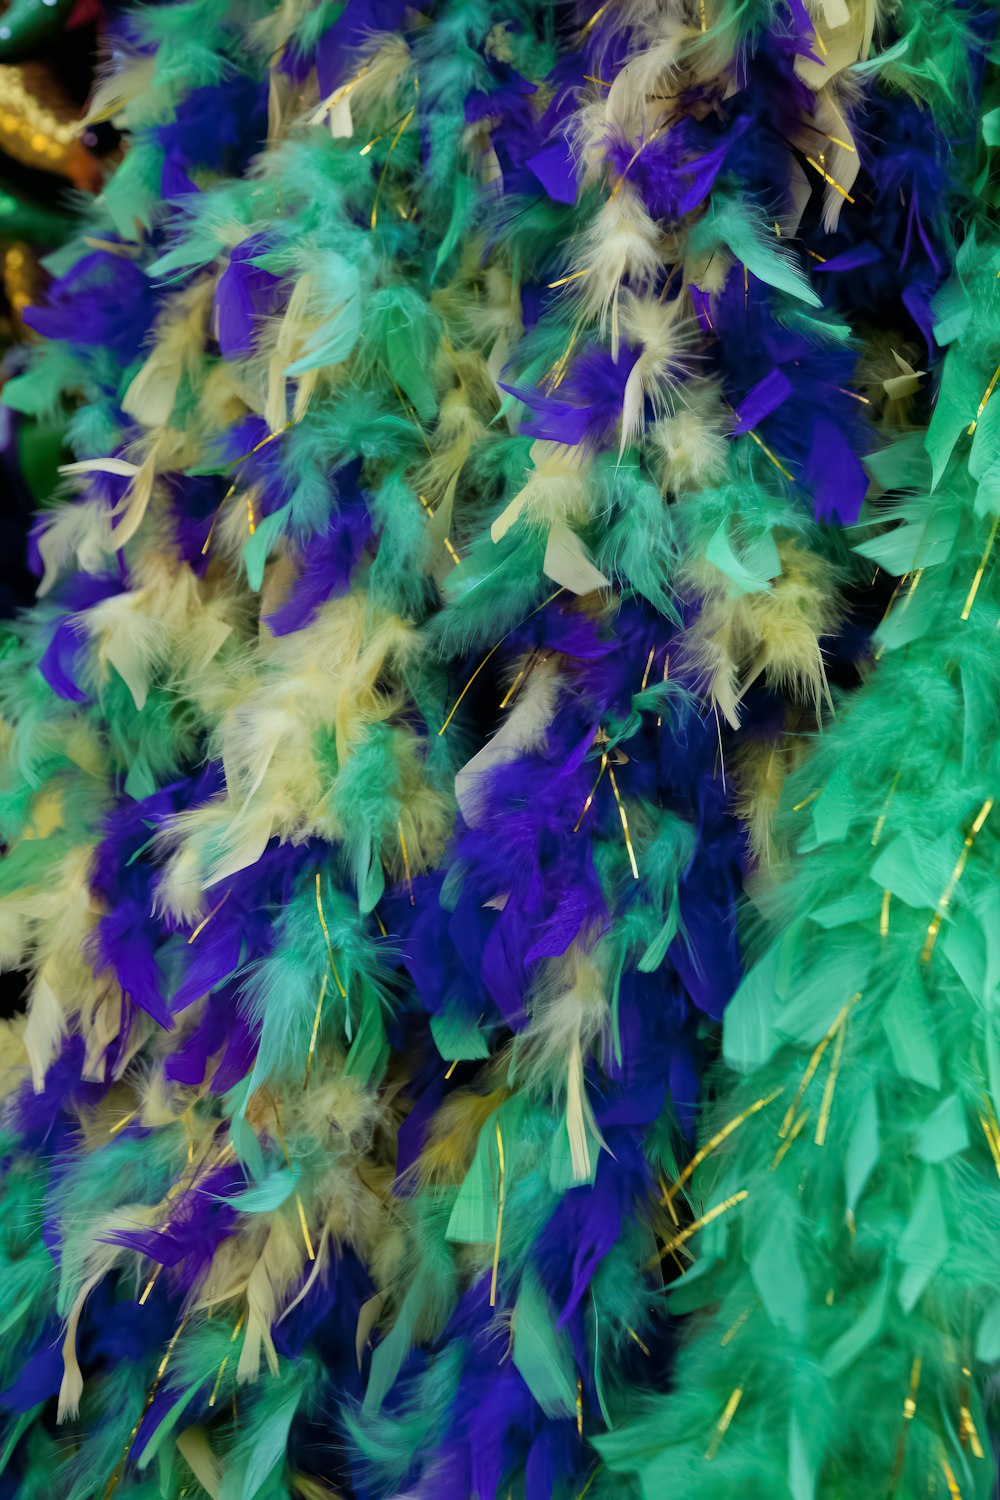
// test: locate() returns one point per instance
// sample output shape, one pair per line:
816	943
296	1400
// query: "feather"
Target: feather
730	224
567	562
622	241
555	490
279	1264
194	1447
44	1031
524	729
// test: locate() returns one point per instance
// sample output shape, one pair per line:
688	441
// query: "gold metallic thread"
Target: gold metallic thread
977	580
650	138
910	1404
406	862
716	1141
624	817
789	1140
807	1079
667	1200
888	611
306	1240
491	652
722	1426
508	695
768	454
706	1218
500	1200
125	1120
222	1368
411	413
385	165
880	821
991	1130
831	1082
315	1031
271	437
205	920
909	1412
944	900
305	1228
149	1286
831	180
633	1335
734	1328
814	1063
150	1396
555	377
326	934
912	590
565	280
954	1492
589	1483
666	673
427	507
967	1429
588	26
590	795
982	405
342	91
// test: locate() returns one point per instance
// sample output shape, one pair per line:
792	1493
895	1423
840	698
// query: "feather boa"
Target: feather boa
465	408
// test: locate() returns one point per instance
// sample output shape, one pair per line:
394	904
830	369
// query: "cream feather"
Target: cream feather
177	350
665	333
372	92
845	33
831	141
689	448
194	1447
44	1030
581	1123
75	537
634	102
570	1016
97	1260
525	728
128	639
569	1007
555	489
334	678
773	632
621	241
119	89
568	563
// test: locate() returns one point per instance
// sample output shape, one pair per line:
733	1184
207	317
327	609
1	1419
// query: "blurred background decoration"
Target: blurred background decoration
50	165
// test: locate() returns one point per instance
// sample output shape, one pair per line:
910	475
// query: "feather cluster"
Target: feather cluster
486	422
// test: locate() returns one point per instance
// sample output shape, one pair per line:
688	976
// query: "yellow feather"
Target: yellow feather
178	346
454	1133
